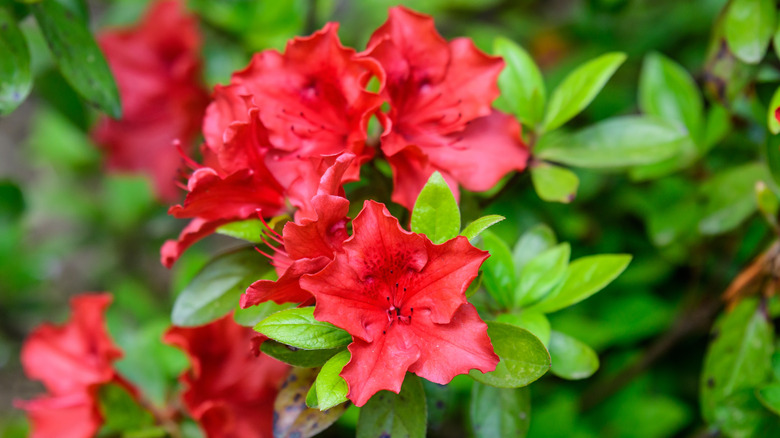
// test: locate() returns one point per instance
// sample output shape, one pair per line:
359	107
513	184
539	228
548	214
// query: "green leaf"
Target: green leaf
768	204
331	387
541	274
500	412
435	212
296	356
532	243
554	183
521	84
739	357
769	396
216	290
311	397
749	25
571	358
122	413
584	277
771	120
618	142
395	415
498	271
476	228
579	89
523	357
668	91
292	417
250	316
297	327
249	230
718	125
730	197
535	322
15	74
78	56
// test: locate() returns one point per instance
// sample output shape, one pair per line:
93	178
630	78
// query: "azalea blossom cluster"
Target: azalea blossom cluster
285	136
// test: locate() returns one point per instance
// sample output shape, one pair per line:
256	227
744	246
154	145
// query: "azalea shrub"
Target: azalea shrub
360	218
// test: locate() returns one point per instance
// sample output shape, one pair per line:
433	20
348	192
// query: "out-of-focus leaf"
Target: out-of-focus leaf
216	290
667	90
296	356
738	358
500	412
123	415
389	415
498	270
541	274
571	358
436	212
554	183
522	87
297	327
15	74
12	204
584	277
749	26
292	418
769	396
476	227
535	322
532	243
717	126
618	142
730	198
78	56
523	357
768	204
579	89
771	120
331	388
250	316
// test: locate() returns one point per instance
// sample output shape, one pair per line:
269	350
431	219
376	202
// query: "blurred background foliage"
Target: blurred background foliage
67	227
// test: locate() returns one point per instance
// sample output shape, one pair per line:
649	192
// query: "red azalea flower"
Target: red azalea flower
72	361
230	391
157	68
402	298
440	115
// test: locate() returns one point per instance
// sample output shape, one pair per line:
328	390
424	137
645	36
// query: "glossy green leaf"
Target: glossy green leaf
436	212
395	415
579	89
618	142
476	227
78	56
498	271
584	277
296	356
15	74
571	358
298	328
771	120
217	288
500	412
523	357
668	91
738	358
521	83
292	418
541	274
533	242
249	230
749	25
331	388
769	396
554	183
311	397
535	322
730	197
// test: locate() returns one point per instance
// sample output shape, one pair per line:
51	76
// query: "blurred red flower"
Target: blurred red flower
157	69
229	390
402	298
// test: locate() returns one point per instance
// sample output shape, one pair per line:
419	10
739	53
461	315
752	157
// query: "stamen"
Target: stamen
274	235
187	160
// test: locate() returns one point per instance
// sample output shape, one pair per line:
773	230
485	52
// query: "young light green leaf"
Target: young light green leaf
535	322
579	89
771	120
618	142
435	212
521	84
331	388
296	356
668	91
498	273
571	358
584	277
541	274
218	287
15	74
476	228
311	397
554	183
297	327
500	412
249	230
532	243
78	56
523	357
389	415
730	198
739	357
749	25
